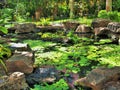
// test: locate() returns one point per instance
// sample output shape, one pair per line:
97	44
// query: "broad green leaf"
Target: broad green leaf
3	29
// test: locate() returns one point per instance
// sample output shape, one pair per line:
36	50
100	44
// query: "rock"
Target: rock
19	47
96	23
112	86
25	28
15	81
115	31
97	78
70	25
11	30
42	74
70	80
101	31
21	61
2	71
114	26
83	29
4	40
53	28
115	38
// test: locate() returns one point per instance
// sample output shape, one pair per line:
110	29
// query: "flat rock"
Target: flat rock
25	28
19	46
96	23
51	28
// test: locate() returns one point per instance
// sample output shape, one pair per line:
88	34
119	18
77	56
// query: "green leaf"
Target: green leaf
3	64
3	29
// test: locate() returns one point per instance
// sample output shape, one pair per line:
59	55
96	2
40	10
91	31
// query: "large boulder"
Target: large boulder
114	27
16	81
25	28
21	61
98	78
96	23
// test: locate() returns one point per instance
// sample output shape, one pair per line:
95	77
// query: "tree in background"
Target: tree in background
108	5
71	6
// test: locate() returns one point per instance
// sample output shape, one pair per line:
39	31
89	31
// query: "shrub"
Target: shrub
112	15
103	14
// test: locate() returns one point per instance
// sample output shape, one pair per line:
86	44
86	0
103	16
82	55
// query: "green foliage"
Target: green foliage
103	14
73	37
44	21
60	85
6	15
3	29
4	53
112	15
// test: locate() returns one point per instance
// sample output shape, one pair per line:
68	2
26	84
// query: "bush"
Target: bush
103	14
112	15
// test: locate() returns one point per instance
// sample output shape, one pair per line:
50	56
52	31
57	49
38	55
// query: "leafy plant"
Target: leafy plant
3	29
4	52
103	14
60	85
112	15
44	21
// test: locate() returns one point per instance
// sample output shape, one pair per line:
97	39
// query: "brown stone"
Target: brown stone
70	25
100	23
21	61
25	28
50	28
112	85
97	78
83	29
15	81
101	31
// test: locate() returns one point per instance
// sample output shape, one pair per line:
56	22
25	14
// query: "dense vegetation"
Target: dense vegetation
80	56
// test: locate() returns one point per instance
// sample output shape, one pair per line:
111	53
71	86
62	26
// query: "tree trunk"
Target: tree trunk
108	5
71	6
